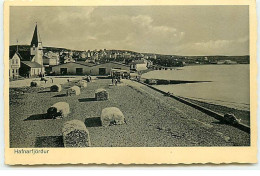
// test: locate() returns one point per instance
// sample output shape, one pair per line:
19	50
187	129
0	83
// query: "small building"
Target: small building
84	68
47	61
138	65
149	64
14	65
50	59
68	59
30	69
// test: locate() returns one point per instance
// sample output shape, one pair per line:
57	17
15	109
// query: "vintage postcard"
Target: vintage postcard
130	82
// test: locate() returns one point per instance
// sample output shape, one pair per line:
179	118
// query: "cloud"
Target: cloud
238	46
167	30
77	13
135	33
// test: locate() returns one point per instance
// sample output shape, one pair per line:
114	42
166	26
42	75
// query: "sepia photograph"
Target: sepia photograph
135	76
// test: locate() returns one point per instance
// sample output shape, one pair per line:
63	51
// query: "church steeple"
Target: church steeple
35	39
36	47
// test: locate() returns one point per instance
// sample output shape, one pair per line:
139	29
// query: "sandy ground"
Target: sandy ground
50	81
151	119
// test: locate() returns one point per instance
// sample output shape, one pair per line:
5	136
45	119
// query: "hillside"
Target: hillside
165	60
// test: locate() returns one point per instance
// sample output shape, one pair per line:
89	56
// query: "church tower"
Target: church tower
36	48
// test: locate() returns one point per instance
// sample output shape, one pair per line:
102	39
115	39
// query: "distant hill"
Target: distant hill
46	49
160	58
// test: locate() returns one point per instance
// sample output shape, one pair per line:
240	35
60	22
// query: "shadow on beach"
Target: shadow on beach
49	141
38	117
86	99
93	122
60	95
45	91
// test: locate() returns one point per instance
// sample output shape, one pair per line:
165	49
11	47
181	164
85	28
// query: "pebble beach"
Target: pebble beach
152	119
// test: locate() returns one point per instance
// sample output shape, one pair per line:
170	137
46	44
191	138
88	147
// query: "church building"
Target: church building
33	66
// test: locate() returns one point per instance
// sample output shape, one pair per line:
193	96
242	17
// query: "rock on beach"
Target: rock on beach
112	115
82	83
56	88
59	110
75	134
101	94
35	84
75	90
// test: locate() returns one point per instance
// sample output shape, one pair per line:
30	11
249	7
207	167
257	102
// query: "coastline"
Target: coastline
240	114
152	119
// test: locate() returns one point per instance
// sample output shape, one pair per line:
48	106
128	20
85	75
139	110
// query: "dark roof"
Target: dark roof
11	54
32	64
35	39
25	55
21	54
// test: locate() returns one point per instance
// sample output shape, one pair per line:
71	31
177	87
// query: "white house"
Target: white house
138	65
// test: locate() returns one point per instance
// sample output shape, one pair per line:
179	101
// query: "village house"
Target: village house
30	69
83	55
68	59
138	65
50	59
153	56
83	68
14	64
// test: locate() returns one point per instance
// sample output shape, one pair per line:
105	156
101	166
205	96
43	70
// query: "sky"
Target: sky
177	30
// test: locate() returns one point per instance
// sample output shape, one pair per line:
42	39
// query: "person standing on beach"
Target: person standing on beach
116	82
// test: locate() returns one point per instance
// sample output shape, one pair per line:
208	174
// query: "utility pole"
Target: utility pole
17	45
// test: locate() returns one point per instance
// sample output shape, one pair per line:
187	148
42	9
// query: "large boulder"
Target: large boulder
101	94
56	88
150	81
231	119
35	84
82	83
59	110
75	134
75	90
112	116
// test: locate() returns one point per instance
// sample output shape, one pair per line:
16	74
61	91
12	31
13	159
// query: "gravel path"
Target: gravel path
152	120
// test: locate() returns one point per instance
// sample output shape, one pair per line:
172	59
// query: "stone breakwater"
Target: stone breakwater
152	119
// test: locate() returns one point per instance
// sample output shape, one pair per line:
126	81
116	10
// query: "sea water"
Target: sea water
229	84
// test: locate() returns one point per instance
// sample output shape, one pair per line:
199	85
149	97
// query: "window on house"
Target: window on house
16	61
63	71
79	71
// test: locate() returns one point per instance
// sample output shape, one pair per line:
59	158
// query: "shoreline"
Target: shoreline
152	119
242	115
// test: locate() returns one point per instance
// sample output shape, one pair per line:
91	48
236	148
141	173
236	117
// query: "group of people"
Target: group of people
88	78
115	80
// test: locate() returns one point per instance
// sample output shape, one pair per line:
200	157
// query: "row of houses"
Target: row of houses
35	63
